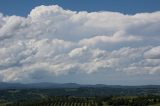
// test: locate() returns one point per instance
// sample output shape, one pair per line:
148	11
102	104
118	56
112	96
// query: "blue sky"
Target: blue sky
23	7
115	42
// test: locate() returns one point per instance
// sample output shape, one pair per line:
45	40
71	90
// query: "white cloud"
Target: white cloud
116	38
52	41
153	53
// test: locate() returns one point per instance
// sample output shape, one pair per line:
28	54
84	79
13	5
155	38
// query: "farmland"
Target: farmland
82	96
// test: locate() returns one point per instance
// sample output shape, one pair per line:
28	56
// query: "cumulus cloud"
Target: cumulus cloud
153	53
51	42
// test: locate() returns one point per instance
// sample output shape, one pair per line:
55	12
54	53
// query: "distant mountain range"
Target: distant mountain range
45	85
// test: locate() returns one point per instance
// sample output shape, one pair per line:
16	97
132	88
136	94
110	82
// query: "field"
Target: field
86	96
89	101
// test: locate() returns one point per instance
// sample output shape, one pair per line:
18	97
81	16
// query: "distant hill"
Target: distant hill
37	85
46	85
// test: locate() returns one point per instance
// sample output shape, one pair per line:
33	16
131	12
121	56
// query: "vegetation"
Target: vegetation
89	101
88	96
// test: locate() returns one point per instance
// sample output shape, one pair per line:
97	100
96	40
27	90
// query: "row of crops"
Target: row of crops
59	102
89	101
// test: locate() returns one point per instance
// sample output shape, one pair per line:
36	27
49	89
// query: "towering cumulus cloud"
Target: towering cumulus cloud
52	42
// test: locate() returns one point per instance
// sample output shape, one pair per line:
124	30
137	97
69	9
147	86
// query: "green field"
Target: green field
81	97
88	101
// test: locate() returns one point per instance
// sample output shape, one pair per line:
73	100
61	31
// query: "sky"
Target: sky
113	42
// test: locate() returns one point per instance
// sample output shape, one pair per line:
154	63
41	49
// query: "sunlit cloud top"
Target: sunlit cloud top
52	42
